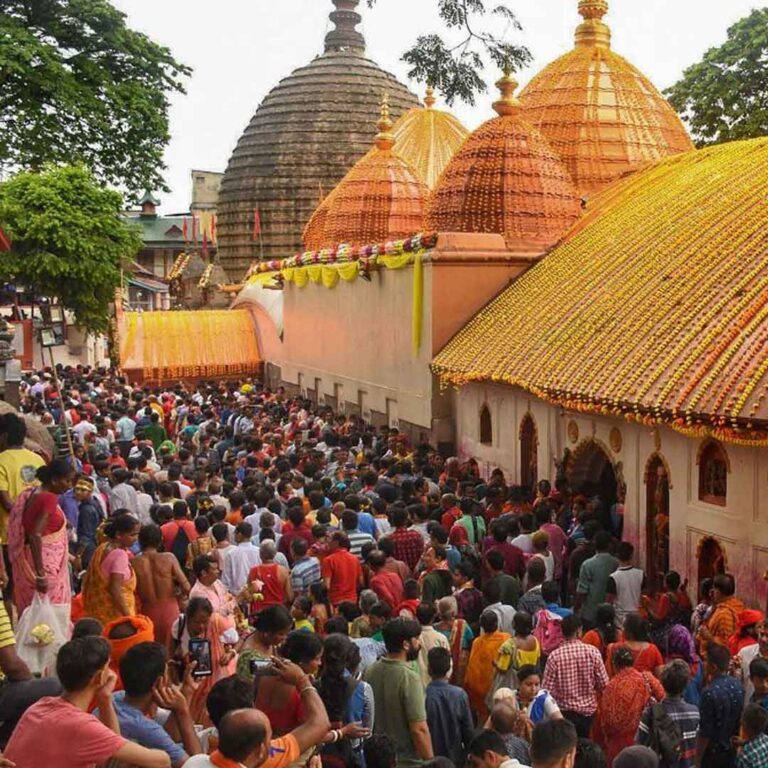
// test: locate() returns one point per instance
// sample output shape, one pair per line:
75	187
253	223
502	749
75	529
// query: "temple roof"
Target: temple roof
306	134
655	306
428	138
600	114
381	198
506	179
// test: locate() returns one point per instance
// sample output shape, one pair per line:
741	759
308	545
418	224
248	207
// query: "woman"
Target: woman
38	544
623	702
605	632
529	698
680	645
280	702
480	668
672	607
271	628
321	605
647	657
540	541
110	583
199	622
522	650
459	635
704	608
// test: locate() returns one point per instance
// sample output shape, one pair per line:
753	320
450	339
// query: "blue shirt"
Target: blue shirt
366	523
721	704
136	726
449	720
558	610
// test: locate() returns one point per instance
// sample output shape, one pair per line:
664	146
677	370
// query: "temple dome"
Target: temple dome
304	137
428	138
506	179
600	114
381	198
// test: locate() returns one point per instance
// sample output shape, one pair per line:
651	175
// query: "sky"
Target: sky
240	49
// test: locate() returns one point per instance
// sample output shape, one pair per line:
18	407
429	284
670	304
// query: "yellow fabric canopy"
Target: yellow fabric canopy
168	346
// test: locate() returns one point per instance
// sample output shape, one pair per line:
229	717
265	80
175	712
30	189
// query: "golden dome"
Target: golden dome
600	114
506	179
381	198
655	305
428	138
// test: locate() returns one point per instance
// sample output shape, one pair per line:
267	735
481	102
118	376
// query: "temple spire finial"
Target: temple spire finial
508	104
429	99
345	36
385	139
593	32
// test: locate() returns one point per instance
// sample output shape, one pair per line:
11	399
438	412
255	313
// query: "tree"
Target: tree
455	67
67	240
725	96
77	85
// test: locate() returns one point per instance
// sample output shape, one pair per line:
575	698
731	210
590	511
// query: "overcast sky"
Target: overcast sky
240	49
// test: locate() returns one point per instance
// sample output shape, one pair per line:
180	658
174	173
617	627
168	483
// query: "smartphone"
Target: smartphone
261	667
200	652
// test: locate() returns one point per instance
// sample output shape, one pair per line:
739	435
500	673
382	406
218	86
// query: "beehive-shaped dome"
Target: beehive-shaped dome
600	114
428	138
381	198
506	179
307	133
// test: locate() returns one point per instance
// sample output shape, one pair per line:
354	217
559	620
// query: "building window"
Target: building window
486	427
713	474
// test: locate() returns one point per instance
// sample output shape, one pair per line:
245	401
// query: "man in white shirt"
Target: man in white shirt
240	559
625	584
83	428
747	655
121	494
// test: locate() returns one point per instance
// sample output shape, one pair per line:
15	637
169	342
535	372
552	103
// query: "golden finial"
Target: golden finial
508	104
593	32
429	99
385	139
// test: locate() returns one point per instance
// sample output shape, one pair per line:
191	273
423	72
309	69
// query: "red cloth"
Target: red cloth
514	559
343	570
646	660
272	590
450	517
302	532
388	587
575	675
170	530
409	546
41	503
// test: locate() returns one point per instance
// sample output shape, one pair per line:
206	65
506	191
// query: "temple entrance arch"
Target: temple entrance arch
710	558
591	473
657	484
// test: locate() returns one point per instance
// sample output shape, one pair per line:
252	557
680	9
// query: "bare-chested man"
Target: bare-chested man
160	583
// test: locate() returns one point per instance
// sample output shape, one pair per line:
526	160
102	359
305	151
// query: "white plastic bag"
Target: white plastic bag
36	646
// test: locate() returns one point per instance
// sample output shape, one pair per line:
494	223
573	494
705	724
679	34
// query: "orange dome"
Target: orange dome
428	138
381	198
600	114
506	179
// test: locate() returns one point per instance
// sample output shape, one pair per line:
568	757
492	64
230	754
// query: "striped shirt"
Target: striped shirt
357	540
304	574
686	716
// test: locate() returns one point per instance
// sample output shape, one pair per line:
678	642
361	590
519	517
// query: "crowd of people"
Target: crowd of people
252	580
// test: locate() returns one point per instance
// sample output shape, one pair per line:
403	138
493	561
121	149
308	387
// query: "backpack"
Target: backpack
180	545
548	631
666	736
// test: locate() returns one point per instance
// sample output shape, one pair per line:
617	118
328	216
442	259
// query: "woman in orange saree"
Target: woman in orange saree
109	585
481	669
38	544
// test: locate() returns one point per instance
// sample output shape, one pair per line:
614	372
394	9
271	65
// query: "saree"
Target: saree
481	670
55	555
97	601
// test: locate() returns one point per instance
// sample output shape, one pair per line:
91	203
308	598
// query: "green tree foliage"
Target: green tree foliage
725	96
77	85
67	240
455	66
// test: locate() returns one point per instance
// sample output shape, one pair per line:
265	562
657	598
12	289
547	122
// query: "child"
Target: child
758	676
411	600
300	611
754	722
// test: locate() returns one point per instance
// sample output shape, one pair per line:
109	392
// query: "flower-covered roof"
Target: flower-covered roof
656	305
381	198
506	179
601	115
428	138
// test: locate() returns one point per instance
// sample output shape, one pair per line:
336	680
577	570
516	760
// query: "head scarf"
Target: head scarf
749	618
145	633
636	757
680	644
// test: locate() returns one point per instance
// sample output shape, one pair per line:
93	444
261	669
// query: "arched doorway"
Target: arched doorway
592	474
711	558
657	520
529	455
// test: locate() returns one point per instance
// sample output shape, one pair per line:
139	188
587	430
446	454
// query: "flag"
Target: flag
5	243
194	229
205	245
256	223
213	228
185	230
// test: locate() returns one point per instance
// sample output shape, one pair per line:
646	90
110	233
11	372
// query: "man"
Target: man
436	582
399	695
524	541
208	585
448	715
487	750
298	529
593	578
357	539
472	521
342	572
306	570
430	638
674	678
504	613
125	431
626	584
754	723
509	586
145	688
387	546
553	744
388	586
240	559
155	431
558	540
59	731
408	544
532	601
720	708
122	495
746	656
575	676
179	532
451	512
513	558
724	619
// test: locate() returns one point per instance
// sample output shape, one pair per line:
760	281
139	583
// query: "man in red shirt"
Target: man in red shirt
295	528
342	572
388	586
409	544
180	525
451	511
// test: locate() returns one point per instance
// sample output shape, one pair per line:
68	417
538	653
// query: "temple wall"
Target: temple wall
740	527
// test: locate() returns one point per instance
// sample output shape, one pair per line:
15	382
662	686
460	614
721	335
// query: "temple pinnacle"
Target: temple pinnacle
508	104
593	32
345	36
385	139
429	99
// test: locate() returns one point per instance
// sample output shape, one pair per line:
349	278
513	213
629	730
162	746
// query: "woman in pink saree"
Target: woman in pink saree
38	543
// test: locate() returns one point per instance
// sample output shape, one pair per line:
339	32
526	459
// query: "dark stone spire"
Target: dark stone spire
345	36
